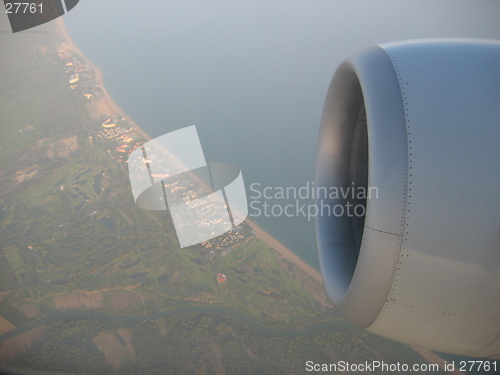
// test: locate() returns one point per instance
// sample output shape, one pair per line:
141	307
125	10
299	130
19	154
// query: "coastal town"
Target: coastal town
82	80
121	137
81	77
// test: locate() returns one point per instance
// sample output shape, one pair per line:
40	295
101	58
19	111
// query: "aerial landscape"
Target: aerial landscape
90	283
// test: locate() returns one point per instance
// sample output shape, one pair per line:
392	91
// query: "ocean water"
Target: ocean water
252	75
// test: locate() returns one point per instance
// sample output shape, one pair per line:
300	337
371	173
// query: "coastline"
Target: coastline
107	106
284	251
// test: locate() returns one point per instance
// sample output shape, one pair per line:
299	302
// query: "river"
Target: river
251	324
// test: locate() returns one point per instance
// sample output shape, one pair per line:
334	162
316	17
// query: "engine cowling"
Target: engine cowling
416	126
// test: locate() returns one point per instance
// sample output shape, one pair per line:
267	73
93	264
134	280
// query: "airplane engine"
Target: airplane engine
408	193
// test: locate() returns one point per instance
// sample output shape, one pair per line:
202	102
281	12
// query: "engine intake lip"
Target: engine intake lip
368	153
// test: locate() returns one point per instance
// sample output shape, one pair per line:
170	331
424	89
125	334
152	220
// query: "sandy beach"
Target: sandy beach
106	105
284	251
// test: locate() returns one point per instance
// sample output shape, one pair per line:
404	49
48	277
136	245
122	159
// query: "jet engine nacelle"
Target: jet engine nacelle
408	190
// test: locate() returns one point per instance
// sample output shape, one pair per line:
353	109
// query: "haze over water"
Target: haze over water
251	75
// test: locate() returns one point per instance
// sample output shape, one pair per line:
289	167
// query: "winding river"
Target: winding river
248	322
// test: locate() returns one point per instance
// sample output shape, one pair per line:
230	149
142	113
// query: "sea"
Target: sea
252	76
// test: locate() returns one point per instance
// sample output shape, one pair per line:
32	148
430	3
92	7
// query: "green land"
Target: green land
89	283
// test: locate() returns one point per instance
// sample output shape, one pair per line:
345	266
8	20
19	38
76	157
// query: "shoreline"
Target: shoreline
284	251
106	105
